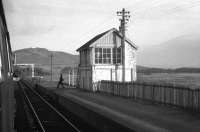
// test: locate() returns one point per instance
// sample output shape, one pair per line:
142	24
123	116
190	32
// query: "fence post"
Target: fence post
143	88
188	98
195	99
131	74
99	85
184	98
111	74
170	96
198	92
192	100
153	98
160	90
118	88
114	89
69	78
164	88
135	91
179	95
127	85
73	77
174	94
83	83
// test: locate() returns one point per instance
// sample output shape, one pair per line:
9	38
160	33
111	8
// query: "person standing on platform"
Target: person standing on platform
60	81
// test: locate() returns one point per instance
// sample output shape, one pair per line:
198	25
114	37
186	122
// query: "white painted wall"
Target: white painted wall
102	72
110	73
130	62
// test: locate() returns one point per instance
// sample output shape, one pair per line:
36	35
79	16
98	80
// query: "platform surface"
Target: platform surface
132	113
7	106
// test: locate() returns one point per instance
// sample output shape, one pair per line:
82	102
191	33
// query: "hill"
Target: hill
162	70
182	51
42	58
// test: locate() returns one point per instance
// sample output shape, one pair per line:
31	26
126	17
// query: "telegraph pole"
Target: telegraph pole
123	20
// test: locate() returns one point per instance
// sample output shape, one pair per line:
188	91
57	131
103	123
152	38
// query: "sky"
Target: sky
65	25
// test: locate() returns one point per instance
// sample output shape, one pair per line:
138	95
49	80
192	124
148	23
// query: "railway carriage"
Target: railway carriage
5	48
6	91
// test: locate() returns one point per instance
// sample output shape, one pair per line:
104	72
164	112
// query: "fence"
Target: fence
168	94
70	79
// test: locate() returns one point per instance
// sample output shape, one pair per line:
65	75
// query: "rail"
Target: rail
47	117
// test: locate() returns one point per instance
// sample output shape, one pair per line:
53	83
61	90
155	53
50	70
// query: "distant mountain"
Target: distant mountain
42	57
183	51
162	70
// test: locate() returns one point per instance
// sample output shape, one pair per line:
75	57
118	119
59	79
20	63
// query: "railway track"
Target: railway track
46	117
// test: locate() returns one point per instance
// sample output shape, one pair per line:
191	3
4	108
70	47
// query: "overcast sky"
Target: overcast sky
65	25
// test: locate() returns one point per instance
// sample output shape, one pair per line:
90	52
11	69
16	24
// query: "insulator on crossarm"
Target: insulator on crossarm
118	12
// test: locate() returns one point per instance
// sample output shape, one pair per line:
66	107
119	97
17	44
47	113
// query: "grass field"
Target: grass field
191	80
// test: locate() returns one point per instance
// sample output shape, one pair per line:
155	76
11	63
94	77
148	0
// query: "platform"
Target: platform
132	113
7	106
